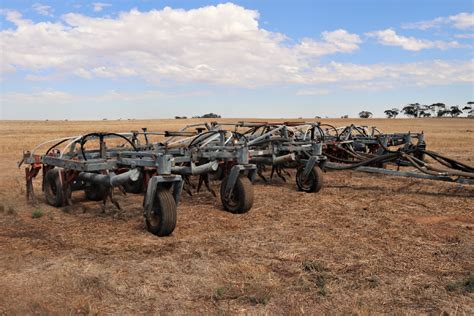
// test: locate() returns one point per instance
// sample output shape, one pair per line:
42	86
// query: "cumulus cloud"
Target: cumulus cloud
42	9
222	45
99	6
378	77
462	21
391	38
339	41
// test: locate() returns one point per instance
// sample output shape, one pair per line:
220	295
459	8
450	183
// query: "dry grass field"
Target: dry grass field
364	244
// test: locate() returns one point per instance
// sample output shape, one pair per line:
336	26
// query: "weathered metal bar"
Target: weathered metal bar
413	174
110	180
309	166
89	165
261	137
196	170
285	158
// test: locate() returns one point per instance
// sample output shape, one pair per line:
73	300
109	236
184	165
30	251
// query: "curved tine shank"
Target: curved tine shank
78	138
51	141
210	139
68	145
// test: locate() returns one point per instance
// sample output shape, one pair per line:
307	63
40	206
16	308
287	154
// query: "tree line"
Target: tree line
208	115
416	110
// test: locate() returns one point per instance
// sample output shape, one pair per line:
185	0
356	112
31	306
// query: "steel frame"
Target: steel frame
281	145
166	166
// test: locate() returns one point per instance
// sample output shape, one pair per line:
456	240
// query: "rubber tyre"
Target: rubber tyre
241	200
53	190
135	187
313	183
160	220
95	192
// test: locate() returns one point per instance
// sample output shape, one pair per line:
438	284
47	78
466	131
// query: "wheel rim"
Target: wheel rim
305	185
153	219
52	190
233	200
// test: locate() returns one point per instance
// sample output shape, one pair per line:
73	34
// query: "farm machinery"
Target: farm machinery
283	145
320	146
160	165
366	149
99	162
353	143
202	152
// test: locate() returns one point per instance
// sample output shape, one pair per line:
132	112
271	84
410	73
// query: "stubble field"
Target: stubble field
363	244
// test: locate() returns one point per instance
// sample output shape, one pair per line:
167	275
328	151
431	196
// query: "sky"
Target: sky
157	59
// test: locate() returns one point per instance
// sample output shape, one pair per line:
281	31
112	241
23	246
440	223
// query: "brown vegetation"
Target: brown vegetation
363	244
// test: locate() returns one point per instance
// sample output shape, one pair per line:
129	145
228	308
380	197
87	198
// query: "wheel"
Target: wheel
160	219
241	199
53	188
135	187
95	192
314	181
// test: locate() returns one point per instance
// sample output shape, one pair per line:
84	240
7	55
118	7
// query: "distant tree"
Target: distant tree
468	108
455	111
438	105
345	116
435	107
392	113
365	114
442	112
211	115
180	117
412	110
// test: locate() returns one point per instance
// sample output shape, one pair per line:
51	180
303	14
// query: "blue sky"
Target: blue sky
156	59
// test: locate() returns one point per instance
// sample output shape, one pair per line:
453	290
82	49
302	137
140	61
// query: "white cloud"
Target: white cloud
99	6
341	76
388	76
64	98
468	35
339	41
391	38
42	9
313	91
462	21
41	97
221	44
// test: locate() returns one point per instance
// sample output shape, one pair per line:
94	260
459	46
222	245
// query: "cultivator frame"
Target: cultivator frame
283	145
354	143
232	152
203	152
366	149
157	167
